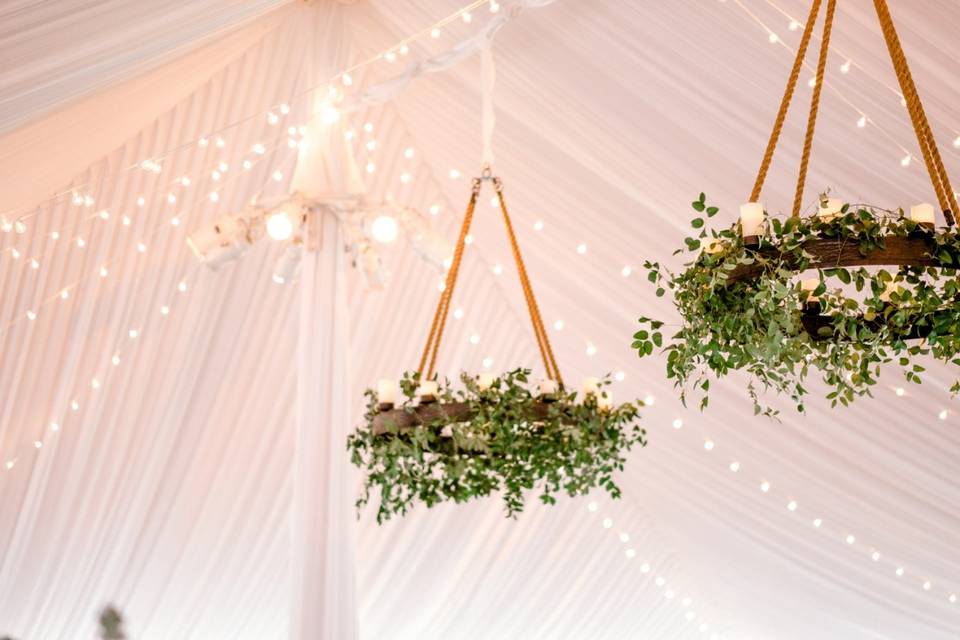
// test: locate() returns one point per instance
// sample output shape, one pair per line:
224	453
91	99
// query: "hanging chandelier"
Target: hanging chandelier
746	304
434	442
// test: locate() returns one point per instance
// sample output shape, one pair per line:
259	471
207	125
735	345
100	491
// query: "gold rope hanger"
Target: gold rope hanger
921	126
429	357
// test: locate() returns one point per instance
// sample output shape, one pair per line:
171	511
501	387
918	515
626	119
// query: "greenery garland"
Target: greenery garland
572	447
756	325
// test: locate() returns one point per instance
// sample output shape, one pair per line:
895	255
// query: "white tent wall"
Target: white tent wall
168	491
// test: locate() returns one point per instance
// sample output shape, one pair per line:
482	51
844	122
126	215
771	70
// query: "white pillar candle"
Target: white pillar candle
713	246
387	391
810	286
890	288
485	381
922	213
548	387
830	208
590	386
428	390
605	401
751	219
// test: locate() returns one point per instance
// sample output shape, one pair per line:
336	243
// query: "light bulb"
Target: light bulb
384	229
497	269
899	572
765	486
624	537
405	178
408	153
487	362
905	161
458	314
645	568
862	122
371	167
284	109
474	339
54	426
280	226
435	33
558	325
581	248
845	67
734	466
434	209
792	505
630	553
277	175
851	538
390	56
454	174
772	38
591	349
329	114
942	415
875	556
678	423
620	376
538	225
607	523
466	16
708	445
817	522
626	271
164	310
220	142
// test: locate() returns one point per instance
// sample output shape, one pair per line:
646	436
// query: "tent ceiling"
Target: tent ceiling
168	489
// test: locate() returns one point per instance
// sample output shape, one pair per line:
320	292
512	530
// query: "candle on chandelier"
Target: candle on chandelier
386	393
591	386
830	208
891	287
485	381
548	389
605	401
428	391
751	223
812	303
922	214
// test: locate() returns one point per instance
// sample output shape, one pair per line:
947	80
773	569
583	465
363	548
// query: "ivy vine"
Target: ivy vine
756	324
507	443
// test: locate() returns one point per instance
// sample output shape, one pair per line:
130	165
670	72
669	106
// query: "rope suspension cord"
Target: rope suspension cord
543	340
814	106
785	102
440	315
428	359
918	116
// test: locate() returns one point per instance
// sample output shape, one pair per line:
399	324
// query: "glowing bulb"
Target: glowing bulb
203	142
812	82
390	56
620	376
434	209
468	239
474	339
164	310
9	464
273	118
64	294
81	243
368	127
371	167
624	537
214	196
494	6
487	362
773	38
142	248
105	215
708	445
408	153
435	33
185	181
405	178
626	271
678	423
54	426
220	142
458	313
467	17
851	538
175	221
538	225
182	287
660	581
630	553
734	466
765	486
133	333
926	585
899	391
817	522
115	360
942	415
645	568
126	221
284	109
497	269
952	598
103	272
899	572
404	49
845	67
581	248
384	229
454	174
792	505
347	79
75	405
95	383
649	400
607	523
279	226
558	325
905	161
794	25
171	198
862	122
31	315
875	556
55	235
956	142
259	149
592	506
591	349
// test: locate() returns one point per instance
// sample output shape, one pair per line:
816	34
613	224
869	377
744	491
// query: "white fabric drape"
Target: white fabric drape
322	556
169	490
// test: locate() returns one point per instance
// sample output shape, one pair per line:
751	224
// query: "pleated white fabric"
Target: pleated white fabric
169	489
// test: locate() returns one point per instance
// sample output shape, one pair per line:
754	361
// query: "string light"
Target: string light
677	423
582	248
558	325
538	225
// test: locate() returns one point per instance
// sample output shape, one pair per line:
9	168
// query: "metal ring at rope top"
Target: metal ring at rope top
486	173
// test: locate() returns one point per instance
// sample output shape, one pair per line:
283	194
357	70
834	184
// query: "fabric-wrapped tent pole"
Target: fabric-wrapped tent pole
323	523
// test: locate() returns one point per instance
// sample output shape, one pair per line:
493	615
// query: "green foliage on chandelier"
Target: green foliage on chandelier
569	447
755	324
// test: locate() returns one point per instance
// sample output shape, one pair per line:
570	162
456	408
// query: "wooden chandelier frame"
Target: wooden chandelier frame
914	250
